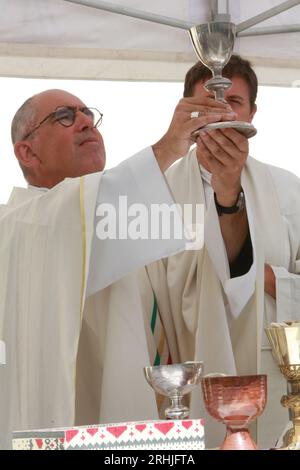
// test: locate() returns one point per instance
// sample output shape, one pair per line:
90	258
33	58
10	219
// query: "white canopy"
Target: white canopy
68	39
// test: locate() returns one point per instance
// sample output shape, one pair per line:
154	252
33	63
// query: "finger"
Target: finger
234	118
202	120
214	164
204	101
239	140
196	123
205	155
201	108
216	150
227	145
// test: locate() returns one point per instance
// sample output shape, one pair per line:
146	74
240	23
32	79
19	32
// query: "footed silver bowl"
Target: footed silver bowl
174	381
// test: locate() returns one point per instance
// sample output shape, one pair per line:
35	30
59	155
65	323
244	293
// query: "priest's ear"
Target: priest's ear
253	111
27	157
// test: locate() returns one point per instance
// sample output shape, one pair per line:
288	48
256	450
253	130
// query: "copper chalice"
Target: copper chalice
236	401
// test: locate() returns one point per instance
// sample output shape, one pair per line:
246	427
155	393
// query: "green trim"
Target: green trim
157	360
152	324
154	315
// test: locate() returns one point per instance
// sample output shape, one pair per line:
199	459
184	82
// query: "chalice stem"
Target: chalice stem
220	95
176	401
177	410
296	424
219	92
291	439
238	439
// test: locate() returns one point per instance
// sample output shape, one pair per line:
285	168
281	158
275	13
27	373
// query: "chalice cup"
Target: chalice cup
174	381
285	343
213	43
236	401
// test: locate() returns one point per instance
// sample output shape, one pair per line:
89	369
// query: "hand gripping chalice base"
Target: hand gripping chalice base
213	43
285	343
236	401
174	381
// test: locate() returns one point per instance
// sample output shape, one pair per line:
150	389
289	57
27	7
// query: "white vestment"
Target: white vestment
72	359
193	300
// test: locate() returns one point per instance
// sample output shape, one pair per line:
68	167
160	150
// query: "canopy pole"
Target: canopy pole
267	14
132	12
291	28
220	10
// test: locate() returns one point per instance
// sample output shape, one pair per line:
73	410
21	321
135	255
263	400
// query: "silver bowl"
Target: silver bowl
174	381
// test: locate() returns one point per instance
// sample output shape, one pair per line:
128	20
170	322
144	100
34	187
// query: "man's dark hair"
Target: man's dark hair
235	67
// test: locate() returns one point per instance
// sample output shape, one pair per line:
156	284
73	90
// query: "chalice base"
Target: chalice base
245	128
290	441
177	413
238	439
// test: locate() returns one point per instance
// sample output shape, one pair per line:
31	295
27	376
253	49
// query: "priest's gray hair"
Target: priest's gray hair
24	120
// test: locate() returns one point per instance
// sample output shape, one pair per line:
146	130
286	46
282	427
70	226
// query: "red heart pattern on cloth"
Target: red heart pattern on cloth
140	427
187	424
39	443
70	434
116	431
92	431
164	428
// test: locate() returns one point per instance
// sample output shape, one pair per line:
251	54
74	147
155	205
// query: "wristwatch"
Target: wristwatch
237	206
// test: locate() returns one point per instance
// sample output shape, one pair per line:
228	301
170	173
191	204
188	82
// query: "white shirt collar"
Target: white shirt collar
36	188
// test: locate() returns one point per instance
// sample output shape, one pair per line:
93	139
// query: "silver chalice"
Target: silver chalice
213	43
174	381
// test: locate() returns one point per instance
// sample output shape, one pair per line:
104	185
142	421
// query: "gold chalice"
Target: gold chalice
285	342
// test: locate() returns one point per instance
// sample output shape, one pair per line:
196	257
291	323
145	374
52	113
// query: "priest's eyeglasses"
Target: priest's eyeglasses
66	115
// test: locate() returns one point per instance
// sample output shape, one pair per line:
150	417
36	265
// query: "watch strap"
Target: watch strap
236	207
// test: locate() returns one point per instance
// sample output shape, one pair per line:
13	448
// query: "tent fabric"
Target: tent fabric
60	39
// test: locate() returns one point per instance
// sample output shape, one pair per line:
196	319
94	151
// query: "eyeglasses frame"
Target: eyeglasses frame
75	110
